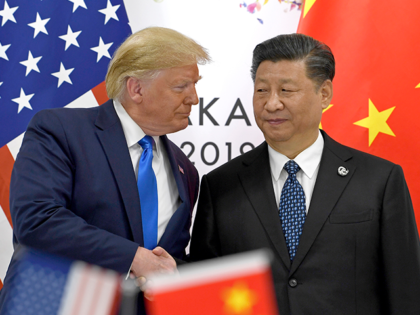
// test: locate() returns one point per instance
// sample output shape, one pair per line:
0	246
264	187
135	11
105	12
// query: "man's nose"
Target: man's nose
274	102
192	97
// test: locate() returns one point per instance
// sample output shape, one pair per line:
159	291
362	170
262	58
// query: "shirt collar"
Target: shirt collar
308	159
133	133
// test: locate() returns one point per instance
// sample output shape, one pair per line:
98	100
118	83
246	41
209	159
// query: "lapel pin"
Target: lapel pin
342	171
181	169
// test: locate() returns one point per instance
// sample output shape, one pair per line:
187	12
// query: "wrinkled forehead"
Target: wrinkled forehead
284	69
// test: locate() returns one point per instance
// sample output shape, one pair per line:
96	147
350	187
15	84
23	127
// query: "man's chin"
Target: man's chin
277	136
179	127
184	124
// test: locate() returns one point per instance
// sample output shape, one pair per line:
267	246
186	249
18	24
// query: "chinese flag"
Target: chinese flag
376	103
237	285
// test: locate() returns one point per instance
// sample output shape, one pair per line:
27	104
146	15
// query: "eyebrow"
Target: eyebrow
188	81
281	80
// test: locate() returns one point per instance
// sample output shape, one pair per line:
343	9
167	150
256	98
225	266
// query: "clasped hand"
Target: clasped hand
147	262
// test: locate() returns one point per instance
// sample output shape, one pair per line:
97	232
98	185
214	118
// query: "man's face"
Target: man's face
166	100
287	105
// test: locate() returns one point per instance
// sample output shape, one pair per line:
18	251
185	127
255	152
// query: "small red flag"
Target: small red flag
240	284
376	100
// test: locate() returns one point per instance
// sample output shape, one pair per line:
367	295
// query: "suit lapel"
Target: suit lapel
328	188
182	214
111	136
257	183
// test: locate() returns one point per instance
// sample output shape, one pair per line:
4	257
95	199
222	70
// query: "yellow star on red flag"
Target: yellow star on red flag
376	122
239	299
308	6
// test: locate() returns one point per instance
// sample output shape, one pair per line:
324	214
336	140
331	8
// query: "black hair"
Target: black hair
318	58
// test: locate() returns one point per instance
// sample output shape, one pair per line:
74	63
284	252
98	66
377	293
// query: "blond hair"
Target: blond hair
147	51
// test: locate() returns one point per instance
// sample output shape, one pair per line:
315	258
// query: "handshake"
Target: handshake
147	262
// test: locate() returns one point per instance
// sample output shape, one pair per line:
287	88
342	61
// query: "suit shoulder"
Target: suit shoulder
68	118
370	160
370	157
356	156
66	113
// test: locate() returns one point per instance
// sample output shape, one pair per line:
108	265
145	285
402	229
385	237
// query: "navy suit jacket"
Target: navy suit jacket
359	252
74	193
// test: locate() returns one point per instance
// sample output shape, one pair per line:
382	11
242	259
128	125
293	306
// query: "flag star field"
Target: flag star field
52	52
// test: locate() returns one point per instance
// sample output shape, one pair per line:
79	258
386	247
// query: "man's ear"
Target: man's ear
134	90
326	93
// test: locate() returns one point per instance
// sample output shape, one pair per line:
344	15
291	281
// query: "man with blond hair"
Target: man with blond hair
105	185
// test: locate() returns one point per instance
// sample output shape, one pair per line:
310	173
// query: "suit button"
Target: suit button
293	283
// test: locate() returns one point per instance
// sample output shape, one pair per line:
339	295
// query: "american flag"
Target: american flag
50	285
53	53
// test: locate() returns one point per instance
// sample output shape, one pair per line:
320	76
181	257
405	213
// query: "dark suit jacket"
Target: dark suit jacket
359	252
74	192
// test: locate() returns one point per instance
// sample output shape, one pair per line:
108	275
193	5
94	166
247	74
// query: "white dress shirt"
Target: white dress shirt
168	195
308	160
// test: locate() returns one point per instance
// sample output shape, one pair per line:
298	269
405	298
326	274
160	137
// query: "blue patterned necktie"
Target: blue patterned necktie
147	186
292	209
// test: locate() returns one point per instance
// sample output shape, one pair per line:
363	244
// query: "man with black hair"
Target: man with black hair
339	222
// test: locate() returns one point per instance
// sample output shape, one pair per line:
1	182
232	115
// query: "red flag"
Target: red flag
238	285
376	99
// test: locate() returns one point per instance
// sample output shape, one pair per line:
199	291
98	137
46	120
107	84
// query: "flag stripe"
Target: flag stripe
96	294
91	286
100	93
1	285
90	290
6	244
116	301
106	289
82	286
6	161
15	144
